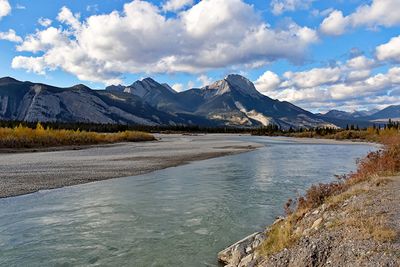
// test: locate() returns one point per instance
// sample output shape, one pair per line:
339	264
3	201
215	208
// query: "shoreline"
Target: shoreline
26	172
350	222
361	221
58	148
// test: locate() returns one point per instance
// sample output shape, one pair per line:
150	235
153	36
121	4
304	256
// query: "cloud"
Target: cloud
45	22
312	78
348	85
267	82
335	23
31	64
210	35
360	63
176	5
178	87
20	7
204	80
389	51
66	16
345	91
281	6
378	13
10	36
5	8
92	8
43	40
322	13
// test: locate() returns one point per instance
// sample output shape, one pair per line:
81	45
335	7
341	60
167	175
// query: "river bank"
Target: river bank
351	222
359	227
23	173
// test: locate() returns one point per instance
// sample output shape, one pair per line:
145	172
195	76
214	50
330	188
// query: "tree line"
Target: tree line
112	128
271	129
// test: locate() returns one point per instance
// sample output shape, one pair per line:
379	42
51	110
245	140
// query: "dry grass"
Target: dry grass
371	227
382	163
336	200
280	236
385	162
24	137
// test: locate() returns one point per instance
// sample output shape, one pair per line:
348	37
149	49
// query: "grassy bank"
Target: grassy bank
371	134
371	172
38	137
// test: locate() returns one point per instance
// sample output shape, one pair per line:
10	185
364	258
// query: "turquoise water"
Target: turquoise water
180	216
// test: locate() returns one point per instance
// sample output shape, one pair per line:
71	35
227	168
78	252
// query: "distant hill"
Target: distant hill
391	112
362	118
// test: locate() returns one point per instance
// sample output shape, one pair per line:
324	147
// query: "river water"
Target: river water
179	216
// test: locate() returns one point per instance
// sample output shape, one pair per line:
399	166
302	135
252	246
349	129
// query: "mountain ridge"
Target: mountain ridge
233	101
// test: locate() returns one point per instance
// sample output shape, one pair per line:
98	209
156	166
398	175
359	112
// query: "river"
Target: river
179	216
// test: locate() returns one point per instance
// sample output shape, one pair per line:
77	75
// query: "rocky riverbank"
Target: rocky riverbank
28	172
359	227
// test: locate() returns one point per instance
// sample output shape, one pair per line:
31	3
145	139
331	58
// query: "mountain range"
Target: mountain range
233	101
362	118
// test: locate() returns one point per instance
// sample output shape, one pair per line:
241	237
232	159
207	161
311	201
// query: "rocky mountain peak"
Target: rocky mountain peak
234	82
147	87
242	84
81	87
238	80
6	80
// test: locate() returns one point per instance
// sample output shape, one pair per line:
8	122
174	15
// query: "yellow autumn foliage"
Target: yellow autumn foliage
24	137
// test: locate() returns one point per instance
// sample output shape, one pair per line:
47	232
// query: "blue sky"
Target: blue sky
317	54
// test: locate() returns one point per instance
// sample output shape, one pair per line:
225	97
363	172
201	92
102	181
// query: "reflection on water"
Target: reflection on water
175	217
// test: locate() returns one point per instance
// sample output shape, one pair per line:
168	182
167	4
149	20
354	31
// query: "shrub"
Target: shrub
24	137
384	162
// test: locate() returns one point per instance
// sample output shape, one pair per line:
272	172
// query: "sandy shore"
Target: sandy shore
23	173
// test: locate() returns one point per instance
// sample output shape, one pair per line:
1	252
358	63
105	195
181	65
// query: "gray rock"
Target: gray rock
317	223
242	252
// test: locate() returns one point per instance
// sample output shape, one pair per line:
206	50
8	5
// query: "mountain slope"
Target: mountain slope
235	101
361	118
391	112
160	96
38	102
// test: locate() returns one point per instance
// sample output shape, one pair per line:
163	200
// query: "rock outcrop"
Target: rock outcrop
242	253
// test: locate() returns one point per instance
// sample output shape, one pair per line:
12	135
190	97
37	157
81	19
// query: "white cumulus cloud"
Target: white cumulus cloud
378	13
45	22
140	39
176	5
267	81
5	8
389	51
335	23
348	85
312	78
31	64
204	80
10	36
